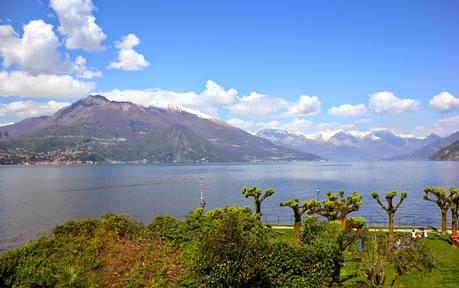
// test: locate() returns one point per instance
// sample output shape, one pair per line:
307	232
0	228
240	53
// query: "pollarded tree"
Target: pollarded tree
336	207
298	211
442	201
454	207
256	192
390	208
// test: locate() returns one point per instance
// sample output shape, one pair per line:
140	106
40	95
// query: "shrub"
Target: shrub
82	227
165	227
122	225
296	266
231	254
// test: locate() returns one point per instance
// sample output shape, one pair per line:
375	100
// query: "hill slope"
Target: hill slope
122	131
449	152
429	150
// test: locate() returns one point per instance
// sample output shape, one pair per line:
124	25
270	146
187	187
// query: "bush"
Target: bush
30	266
300	266
324	239
122	225
231	254
165	227
82	227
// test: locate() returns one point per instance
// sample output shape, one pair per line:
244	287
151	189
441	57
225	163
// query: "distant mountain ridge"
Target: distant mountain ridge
428	151
345	146
122	131
449	152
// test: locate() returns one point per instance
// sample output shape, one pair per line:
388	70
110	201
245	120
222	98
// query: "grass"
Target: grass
283	235
444	274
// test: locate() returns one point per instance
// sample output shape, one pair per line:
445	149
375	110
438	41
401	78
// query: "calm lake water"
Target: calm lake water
34	198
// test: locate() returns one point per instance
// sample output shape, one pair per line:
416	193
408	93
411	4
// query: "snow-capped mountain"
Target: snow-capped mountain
350	145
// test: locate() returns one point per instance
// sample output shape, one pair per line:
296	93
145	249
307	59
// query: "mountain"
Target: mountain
102	130
349	146
428	151
449	152
319	146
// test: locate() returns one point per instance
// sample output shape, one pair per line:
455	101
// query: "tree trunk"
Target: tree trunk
454	223
391	227
258	209
297	227
444	222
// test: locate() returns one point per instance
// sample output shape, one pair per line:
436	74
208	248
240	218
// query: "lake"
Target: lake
34	198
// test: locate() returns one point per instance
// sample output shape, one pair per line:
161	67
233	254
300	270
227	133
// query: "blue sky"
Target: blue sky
391	57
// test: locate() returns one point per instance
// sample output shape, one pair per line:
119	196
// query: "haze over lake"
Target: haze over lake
34	198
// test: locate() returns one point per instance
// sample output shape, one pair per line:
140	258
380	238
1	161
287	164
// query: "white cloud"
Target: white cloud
22	84
362	120
449	122
387	102
258	105
128	58
35	52
78	24
442	127
208	101
248	125
253	126
348	110
83	71
334	126
218	96
26	109
307	105
444	102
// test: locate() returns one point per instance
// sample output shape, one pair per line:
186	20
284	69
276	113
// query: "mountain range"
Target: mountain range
449	152
375	145
95	129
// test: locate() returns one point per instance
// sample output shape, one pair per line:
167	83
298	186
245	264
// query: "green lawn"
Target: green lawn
445	274
283	235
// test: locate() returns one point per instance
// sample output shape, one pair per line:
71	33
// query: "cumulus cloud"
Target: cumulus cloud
307	105
258	105
35	52
128	58
295	124
449	122
22	84
78	24
386	102
208	101
348	110
84	72
26	109
444	102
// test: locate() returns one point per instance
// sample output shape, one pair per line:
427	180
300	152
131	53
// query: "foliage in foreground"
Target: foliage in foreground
227	247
